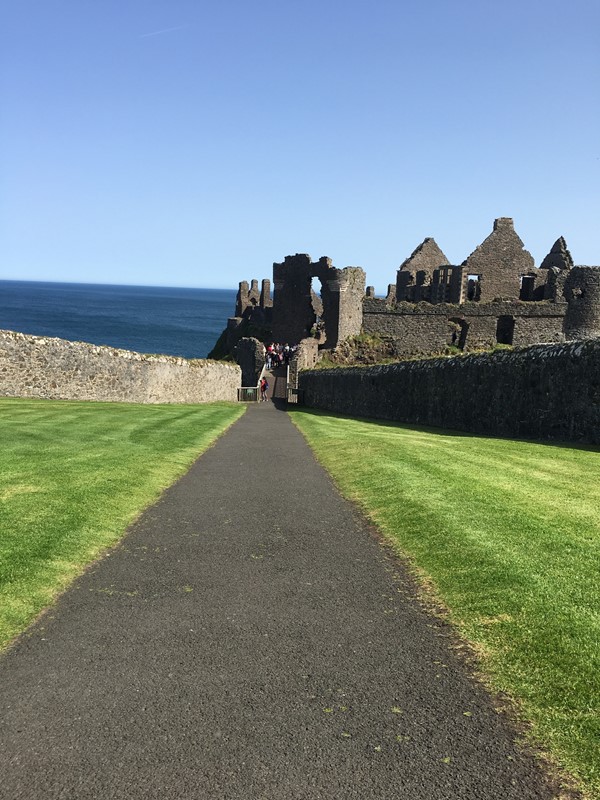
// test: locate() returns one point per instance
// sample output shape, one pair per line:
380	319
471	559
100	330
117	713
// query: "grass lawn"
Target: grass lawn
509	533
73	475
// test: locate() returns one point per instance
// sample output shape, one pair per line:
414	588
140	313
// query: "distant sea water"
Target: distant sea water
147	319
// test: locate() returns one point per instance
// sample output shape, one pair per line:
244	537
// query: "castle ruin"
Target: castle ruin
496	296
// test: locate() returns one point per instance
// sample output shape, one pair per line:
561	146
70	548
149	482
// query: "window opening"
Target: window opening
458	332
527	287
316	301
505	330
473	287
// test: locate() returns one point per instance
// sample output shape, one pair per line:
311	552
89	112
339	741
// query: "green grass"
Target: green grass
509	533
73	475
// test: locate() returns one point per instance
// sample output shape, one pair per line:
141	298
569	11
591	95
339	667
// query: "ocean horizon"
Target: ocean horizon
166	320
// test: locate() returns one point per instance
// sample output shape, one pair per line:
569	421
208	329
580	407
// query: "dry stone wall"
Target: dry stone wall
540	392
33	366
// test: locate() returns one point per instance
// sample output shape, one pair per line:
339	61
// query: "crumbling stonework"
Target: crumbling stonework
496	296
249	297
305	357
539	392
250	357
499	262
559	256
417	270
253	315
342	292
425	328
34	366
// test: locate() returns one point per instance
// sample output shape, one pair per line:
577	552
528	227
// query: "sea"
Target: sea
147	319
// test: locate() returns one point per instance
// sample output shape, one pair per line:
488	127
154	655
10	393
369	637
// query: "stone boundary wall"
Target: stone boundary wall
540	392
34	366
423	328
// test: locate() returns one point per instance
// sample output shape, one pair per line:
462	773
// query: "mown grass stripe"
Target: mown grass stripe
509	533
73	475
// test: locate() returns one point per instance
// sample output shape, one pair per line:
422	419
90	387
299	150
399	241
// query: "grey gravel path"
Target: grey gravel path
249	639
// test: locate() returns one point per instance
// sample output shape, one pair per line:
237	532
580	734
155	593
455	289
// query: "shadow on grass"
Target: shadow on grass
434	431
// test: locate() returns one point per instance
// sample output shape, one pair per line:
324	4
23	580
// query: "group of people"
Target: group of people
279	355
276	355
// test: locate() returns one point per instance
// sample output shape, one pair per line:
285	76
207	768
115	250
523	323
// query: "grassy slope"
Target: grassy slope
73	476
510	534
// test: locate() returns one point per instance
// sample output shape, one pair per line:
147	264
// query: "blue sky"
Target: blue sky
193	143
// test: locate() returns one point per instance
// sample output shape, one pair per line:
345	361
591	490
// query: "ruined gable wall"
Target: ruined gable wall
543	392
35	366
501	259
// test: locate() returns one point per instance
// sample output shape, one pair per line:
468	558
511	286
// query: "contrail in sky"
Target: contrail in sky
164	30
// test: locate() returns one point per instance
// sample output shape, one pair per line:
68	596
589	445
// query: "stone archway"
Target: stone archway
342	293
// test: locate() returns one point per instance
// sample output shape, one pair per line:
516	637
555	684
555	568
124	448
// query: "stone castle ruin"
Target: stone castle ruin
545	388
496	296
296	308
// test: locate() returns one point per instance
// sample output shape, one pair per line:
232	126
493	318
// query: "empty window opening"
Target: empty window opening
458	330
316	302
473	287
527	287
505	330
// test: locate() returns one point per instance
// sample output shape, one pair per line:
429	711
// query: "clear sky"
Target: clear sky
194	142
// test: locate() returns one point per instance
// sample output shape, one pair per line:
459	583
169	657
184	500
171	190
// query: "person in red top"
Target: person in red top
264	386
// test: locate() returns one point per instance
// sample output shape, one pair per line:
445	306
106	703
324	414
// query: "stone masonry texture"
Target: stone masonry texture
501	260
342	293
424	328
33	366
582	292
538	392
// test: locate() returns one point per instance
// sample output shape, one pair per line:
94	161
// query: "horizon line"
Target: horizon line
126	285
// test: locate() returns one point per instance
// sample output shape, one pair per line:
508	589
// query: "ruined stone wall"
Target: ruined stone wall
33	366
293	313
294	310
540	392
250	355
500	260
424	328
349	287
305	357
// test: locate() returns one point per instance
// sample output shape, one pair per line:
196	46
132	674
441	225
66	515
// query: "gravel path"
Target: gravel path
250	639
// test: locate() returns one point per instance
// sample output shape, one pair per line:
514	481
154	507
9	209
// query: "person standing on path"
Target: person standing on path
264	386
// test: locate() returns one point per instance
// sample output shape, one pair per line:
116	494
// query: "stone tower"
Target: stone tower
582	293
